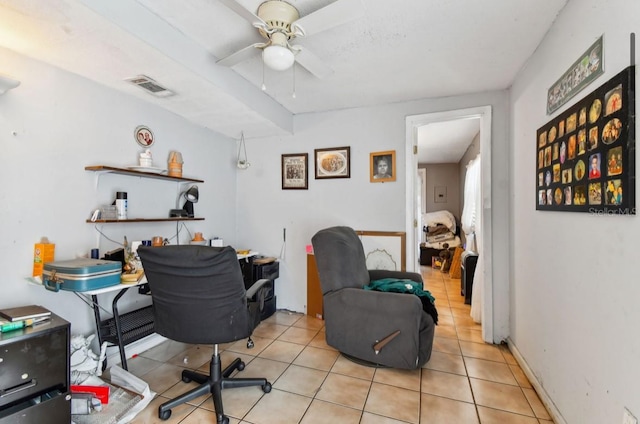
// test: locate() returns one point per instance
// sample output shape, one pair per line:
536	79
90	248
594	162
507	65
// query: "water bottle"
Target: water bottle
121	204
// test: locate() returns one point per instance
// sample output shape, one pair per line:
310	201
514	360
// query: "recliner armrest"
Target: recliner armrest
378	274
380	305
256	286
356	319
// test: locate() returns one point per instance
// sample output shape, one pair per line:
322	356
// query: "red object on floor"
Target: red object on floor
101	392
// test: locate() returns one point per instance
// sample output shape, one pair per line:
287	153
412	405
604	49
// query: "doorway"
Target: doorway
413	123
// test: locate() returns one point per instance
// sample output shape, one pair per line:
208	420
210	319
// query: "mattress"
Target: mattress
455	242
432	219
440	237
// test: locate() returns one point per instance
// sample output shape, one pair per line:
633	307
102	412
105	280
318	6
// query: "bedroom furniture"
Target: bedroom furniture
426	253
379	328
469	261
439	227
199	297
34	374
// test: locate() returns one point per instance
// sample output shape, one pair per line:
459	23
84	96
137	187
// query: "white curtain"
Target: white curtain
471	225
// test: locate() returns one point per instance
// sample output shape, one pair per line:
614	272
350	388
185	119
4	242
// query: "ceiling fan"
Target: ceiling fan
279	22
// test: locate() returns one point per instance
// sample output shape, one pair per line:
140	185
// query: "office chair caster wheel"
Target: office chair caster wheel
240	366
250	344
164	415
266	388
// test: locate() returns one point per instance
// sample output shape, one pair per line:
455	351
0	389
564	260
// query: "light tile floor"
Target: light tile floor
465	381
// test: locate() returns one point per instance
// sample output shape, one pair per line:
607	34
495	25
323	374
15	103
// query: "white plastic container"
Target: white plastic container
146	160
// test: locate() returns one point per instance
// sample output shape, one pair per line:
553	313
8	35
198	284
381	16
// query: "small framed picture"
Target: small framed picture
295	174
333	162
143	136
382	166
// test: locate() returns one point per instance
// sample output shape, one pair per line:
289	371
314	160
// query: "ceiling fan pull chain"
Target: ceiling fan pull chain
294	81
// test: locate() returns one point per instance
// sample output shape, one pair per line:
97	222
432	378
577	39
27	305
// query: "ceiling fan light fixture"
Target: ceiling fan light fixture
277	57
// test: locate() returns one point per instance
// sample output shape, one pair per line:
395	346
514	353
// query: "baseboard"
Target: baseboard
542	394
133	349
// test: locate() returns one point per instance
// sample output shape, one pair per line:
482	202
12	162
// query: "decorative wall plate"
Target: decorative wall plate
143	136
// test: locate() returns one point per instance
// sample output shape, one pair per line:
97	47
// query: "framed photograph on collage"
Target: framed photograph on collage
585	157
295	174
334	162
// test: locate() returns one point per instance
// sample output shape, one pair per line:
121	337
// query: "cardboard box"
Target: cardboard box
42	253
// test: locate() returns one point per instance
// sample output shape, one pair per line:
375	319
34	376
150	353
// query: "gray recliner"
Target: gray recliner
382	328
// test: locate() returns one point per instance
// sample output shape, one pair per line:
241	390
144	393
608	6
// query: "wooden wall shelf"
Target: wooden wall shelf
122	221
104	169
133	173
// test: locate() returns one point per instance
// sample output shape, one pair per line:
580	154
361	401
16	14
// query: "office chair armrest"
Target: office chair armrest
256	286
378	274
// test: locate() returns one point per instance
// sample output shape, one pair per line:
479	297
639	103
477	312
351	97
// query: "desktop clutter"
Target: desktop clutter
118	266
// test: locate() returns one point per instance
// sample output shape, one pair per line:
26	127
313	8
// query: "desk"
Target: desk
123	329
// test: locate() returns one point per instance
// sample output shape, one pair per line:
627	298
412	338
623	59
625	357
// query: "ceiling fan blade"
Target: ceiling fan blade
337	13
241	54
245	13
312	63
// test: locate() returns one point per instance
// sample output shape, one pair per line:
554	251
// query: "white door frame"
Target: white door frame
414	122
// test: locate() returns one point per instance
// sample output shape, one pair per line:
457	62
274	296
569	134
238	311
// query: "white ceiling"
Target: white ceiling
446	142
398	51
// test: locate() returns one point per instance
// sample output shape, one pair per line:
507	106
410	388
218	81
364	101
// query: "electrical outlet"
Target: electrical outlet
628	418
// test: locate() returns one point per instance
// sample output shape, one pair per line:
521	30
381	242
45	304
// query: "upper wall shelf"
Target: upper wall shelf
131	172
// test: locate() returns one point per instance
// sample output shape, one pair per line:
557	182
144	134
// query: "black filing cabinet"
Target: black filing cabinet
34	374
468	263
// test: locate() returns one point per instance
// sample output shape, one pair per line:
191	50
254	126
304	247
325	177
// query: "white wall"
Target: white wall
574	290
64	123
264	209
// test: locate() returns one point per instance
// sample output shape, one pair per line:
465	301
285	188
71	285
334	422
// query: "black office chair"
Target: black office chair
199	298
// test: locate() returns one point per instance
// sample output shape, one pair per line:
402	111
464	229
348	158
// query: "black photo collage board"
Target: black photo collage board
586	156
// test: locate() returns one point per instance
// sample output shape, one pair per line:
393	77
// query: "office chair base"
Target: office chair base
213	383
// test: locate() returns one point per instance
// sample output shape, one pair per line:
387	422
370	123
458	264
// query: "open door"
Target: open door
413	199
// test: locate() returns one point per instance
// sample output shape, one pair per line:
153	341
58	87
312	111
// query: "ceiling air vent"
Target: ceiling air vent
150	86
